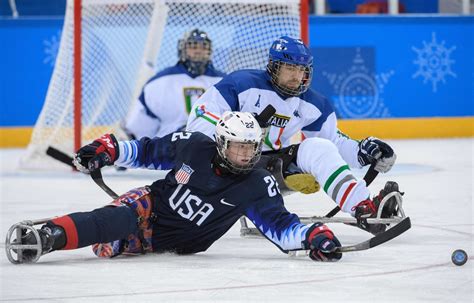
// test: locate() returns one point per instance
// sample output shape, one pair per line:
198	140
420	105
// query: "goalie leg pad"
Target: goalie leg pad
140	200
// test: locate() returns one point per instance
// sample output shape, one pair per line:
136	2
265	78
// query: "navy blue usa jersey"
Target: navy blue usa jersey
195	206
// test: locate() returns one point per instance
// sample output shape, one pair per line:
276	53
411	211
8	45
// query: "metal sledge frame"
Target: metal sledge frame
249	231
370	175
398	225
13	246
377	220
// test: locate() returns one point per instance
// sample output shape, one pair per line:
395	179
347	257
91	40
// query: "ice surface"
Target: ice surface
437	176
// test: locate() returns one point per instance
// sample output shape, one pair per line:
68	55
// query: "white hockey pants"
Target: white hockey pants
321	158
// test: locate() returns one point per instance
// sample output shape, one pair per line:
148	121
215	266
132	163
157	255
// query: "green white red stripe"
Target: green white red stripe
208	116
340	179
333	177
346	194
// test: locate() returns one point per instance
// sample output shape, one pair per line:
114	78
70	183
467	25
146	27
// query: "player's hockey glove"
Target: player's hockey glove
263	118
373	150
102	152
322	244
263	124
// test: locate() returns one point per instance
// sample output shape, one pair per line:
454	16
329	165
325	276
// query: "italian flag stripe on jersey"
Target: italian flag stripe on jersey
267	141
208	116
333	177
346	193
277	144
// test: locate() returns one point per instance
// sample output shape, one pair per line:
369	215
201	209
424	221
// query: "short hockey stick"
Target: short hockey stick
60	156
381	238
97	177
96	174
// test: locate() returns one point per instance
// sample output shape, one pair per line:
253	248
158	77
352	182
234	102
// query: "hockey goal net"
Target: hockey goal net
110	48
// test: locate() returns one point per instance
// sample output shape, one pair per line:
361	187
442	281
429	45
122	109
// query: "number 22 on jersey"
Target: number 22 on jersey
272	188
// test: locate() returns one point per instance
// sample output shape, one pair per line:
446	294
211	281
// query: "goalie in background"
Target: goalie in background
166	99
210	186
325	153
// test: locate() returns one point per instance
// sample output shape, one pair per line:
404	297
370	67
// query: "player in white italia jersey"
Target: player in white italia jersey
166	99
325	152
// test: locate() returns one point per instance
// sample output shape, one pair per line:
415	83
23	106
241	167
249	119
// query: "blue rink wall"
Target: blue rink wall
395	67
397	77
394	77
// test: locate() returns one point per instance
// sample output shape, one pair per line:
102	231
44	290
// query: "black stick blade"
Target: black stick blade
381	238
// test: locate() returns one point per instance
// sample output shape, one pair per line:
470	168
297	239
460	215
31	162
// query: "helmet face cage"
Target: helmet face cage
287	51
240	128
195	39
223	144
274	68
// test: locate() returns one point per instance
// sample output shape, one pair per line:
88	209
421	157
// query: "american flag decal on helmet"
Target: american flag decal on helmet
183	174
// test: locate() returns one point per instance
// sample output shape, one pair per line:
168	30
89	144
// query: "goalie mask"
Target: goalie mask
194	51
239	141
290	66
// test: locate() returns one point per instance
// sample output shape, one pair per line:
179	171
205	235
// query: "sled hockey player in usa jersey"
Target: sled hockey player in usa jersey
325	153
166	99
210	186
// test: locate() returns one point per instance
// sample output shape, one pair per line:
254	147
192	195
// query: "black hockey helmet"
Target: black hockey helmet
194	51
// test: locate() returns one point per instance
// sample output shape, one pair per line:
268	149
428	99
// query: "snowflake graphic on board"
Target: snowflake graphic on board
51	48
434	62
359	92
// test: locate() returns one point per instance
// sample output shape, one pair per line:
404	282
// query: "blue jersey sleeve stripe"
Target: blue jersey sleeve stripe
147	109
125	158
156	153
324	106
134	149
228	92
126	151
240	81
177	69
316	125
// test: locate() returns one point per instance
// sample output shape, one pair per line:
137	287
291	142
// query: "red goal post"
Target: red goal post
110	48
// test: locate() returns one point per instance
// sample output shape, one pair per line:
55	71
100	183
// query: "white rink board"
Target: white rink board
437	176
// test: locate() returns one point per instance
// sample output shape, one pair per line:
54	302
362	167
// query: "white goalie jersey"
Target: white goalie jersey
251	91
166	100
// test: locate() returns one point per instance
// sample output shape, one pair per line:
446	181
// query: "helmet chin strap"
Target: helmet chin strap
221	166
